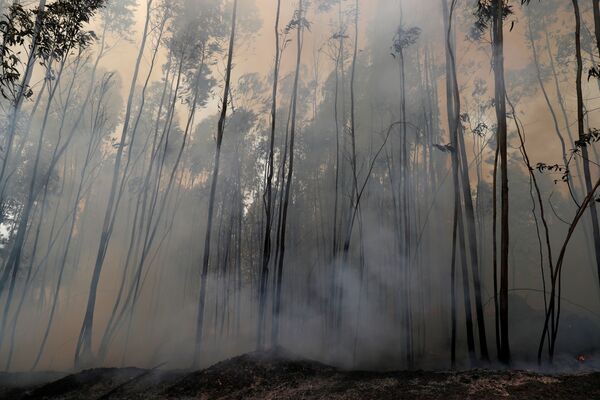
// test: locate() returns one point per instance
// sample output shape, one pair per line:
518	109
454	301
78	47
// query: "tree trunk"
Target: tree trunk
84	343
290	175
269	190
500	103
596	7
213	189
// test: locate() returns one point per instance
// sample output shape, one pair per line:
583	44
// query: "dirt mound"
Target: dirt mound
281	375
253	375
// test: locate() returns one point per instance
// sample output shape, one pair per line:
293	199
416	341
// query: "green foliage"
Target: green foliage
16	28
197	31
63	27
60	31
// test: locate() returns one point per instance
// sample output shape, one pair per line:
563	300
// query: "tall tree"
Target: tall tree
498	13
458	235
465	183
213	188
268	195
83	353
581	133
299	22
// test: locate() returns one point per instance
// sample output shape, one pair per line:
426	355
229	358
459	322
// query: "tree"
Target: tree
500	92
213	188
84	344
60	32
299	23
266	256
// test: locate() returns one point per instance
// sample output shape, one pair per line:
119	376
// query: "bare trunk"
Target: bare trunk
500	103
264	279
213	189
83	351
290	176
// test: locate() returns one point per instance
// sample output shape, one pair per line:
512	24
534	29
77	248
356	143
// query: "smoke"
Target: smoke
364	284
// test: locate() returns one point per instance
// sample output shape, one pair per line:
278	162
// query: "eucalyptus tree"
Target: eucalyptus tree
135	153
462	162
337	52
498	14
298	23
404	38
22	26
213	188
194	40
83	351
61	31
452	105
99	123
268	196
491	14
582	134
542	16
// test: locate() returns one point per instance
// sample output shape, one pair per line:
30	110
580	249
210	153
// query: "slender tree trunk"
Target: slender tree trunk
581	133
538	195
356	190
555	297
213	190
500	103
338	159
495	250
596	7
458	225
545	93
290	175
13	262
404	211
463	163
43	208
92	146
266	257
84	343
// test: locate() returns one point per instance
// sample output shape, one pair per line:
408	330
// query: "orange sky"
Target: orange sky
257	55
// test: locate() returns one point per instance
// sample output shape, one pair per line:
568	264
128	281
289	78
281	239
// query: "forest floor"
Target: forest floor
276	376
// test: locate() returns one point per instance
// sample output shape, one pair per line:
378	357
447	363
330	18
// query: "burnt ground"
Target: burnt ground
277	376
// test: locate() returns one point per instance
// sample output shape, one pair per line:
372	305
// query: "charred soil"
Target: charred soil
278	375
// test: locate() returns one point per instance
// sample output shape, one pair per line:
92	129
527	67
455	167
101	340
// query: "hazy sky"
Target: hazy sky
255	54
